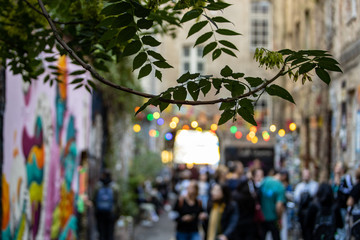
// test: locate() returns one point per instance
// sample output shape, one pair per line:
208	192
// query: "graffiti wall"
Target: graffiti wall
45	130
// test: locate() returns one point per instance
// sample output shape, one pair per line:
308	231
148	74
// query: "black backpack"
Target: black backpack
305	200
325	224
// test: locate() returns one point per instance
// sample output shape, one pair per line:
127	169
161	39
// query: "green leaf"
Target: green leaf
132	48
164	105
194	75
145	105
299	60
248	104
203	38
227	105
144	23
285	52
156	55
122	20
208	48
237	75
115	9
237	89
216	54
51	59
254	82
228	44
197	27
306	67
78	72
217	83
109	34
247	116
183	78
92	84
158	75
180	93
327	60
214	6
191	15
275	90
46	78
162	64
193	89
139	60
126	34
77	87
145	70
76	80
106	22
330	66
150	41
315	53
226	71
226	116
227	32
220	19
205	86
323	75
88	89
228	51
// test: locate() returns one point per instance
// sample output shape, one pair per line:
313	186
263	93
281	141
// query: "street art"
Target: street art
39	180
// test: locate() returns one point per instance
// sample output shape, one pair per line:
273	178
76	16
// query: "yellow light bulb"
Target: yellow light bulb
251	134
214	127
137	128
175	120
194	124
273	128
156	115
281	132
292	127
173	125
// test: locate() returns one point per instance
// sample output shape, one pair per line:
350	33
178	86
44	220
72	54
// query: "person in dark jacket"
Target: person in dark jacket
323	205
107	205
246	227
222	216
188	208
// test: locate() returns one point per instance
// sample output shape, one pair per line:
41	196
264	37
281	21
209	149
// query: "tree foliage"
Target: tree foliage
95	32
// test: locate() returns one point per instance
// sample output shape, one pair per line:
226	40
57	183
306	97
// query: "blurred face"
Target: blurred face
259	175
338	168
306	175
239	168
216	193
192	188
203	177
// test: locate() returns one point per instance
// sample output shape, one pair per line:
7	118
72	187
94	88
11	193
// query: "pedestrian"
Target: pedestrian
246	203
222	215
272	205
323	218
188	208
236	175
354	203
107	206
204	189
305	192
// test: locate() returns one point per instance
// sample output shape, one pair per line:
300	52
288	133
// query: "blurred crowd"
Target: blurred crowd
232	203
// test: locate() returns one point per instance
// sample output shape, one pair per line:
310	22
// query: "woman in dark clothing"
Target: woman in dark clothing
222	215
246	228
189	209
323	213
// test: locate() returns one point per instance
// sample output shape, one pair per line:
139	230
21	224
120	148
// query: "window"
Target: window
192	60
260	24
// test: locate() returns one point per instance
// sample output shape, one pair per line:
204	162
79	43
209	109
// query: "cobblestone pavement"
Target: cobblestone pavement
164	229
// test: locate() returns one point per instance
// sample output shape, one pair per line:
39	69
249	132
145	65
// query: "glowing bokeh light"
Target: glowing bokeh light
251	134
150	117
156	115
194	124
281	132
173	125
292	127
248	137
186	127
214	127
254	140
266	136
253	129
136	109
175	120
157	133
160	121
273	128
152	133
233	129
199	129
168	136
137	128
238	135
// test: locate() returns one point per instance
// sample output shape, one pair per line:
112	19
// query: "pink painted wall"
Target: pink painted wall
45	130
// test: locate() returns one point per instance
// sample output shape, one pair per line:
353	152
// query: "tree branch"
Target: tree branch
141	94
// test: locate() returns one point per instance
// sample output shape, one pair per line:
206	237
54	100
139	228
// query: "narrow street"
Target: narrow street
164	229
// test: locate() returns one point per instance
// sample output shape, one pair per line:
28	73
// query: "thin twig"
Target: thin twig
146	95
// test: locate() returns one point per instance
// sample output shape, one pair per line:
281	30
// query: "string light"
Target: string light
150	117
238	134
273	128
214	127
137	128
160	121
292	127
175	119
173	125
233	129
281	132
168	136
194	124
156	115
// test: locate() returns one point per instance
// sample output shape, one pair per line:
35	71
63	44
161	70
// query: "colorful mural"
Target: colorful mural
40	184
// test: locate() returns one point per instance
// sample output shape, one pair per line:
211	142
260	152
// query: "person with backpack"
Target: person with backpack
323	217
107	207
303	195
188	208
353	203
